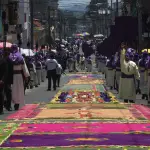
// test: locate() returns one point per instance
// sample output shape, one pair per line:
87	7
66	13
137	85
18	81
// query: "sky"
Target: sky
73	4
76	5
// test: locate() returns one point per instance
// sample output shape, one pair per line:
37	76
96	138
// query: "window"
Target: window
12	13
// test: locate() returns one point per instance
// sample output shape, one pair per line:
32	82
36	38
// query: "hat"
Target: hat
14	48
128	54
16	58
145	54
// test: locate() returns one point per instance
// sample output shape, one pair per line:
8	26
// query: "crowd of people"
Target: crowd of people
126	71
19	72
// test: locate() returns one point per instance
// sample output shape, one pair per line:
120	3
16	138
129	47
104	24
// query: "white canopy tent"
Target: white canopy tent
98	35
27	52
54	50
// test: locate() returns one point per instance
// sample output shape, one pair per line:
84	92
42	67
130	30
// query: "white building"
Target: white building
24	20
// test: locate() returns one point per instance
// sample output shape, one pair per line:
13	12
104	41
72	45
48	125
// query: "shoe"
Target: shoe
146	96
36	86
54	89
9	109
48	89
131	101
16	106
1	113
143	96
125	101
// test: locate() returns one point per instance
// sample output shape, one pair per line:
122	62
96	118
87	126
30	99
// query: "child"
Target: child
58	74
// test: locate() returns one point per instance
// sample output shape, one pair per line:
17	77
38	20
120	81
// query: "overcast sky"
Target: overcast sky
77	4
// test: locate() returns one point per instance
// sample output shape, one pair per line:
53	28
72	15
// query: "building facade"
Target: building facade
24	20
15	21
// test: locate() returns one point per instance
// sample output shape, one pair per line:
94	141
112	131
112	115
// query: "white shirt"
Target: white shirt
51	64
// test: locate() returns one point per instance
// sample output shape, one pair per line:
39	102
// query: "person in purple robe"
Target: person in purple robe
148	84
3	74
110	73
20	74
143	76
118	72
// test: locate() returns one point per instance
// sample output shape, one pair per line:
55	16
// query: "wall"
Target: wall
3	4
23	14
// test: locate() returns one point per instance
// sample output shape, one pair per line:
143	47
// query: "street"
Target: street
47	115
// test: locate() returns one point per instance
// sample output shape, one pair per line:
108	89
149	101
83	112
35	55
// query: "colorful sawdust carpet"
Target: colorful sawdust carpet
92	87
79	134
28	111
79	100
6	129
86	81
88	113
87	105
81	97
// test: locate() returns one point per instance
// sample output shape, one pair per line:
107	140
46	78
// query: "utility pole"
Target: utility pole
49	25
117	8
111	9
139	24
31	21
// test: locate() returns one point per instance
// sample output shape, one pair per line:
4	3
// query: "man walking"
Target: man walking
8	82
3	75
51	65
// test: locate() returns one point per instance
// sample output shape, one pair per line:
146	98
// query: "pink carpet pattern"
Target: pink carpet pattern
121	126
24	112
144	110
95	128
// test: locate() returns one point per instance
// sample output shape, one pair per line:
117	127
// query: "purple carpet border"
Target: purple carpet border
77	140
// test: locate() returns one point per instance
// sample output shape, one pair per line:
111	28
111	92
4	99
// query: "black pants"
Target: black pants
51	75
8	93
58	79
1	99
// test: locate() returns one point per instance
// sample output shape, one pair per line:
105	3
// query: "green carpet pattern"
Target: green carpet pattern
83	87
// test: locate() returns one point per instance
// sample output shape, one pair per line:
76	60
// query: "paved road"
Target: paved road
39	95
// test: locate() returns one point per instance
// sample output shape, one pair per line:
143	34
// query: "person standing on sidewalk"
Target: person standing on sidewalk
58	74
129	76
3	74
51	65
43	74
8	82
110	73
38	69
32	71
143	75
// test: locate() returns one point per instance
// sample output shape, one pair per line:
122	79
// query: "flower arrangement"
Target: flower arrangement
80	96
